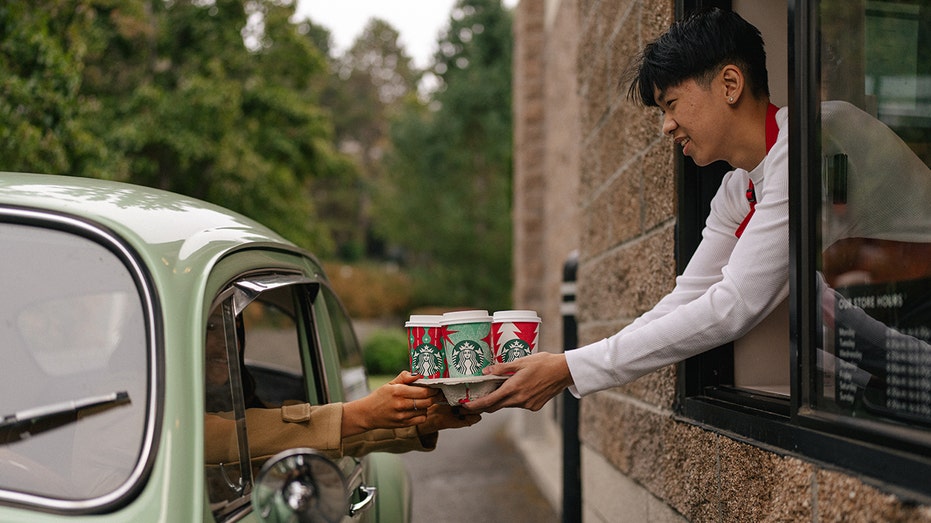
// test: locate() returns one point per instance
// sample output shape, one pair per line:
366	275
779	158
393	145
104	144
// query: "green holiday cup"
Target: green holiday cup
424	337
467	342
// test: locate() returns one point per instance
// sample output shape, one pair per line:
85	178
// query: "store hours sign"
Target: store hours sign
881	349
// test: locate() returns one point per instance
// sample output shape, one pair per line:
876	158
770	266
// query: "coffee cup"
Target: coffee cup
514	334
424	337
467	342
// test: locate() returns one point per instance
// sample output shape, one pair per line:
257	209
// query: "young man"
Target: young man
707	74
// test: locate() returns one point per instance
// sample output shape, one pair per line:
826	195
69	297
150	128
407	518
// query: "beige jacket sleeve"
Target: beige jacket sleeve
388	440
303	425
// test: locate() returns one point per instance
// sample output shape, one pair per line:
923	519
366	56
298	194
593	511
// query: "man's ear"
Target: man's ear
733	80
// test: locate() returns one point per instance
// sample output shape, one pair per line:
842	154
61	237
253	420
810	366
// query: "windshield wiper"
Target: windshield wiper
28	422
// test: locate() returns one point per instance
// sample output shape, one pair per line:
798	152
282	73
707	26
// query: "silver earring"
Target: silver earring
730	99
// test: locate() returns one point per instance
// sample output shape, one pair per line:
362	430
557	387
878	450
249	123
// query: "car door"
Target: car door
337	339
264	369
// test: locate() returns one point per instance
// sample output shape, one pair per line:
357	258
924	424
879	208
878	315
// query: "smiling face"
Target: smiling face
695	116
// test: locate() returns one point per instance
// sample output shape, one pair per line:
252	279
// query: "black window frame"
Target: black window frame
885	456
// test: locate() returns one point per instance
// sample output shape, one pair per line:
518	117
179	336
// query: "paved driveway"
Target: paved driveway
475	475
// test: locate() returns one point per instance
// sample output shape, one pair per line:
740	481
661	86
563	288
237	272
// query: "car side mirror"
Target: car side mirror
300	485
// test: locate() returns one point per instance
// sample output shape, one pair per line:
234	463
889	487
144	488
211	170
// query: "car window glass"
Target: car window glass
352	370
267	344
73	336
222	448
272	352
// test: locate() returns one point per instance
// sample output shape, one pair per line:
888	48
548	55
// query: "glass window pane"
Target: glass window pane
221	440
352	368
272	352
73	331
875	280
266	345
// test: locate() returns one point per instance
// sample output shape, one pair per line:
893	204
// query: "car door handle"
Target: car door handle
368	496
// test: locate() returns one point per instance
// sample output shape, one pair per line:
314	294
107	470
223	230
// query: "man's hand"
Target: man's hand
394	405
535	380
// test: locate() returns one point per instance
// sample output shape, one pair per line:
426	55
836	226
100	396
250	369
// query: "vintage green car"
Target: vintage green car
109	294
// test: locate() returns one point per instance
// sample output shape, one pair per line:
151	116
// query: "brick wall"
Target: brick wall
529	165
546	170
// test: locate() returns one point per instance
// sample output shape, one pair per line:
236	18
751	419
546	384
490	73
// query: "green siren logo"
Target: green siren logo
468	358
427	361
514	349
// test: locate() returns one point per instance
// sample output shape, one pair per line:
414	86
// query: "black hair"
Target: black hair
697	47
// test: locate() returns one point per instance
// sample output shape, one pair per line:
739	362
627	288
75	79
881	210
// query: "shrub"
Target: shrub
370	290
385	352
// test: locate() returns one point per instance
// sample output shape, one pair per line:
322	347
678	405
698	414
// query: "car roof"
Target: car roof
159	225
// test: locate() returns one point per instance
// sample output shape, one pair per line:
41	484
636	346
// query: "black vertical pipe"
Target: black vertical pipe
571	458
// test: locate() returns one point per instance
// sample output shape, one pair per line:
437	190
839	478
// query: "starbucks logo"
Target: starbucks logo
426	360
468	358
514	349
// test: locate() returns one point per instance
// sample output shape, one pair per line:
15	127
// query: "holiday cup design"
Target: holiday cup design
515	334
466	342
424	340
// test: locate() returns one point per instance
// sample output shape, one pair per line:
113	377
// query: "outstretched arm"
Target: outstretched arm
411	415
394	405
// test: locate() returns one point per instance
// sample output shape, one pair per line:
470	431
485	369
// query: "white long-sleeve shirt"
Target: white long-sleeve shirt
732	283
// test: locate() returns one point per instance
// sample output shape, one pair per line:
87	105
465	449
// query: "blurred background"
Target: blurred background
396	175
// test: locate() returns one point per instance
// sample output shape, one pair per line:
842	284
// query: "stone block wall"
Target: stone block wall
529	162
594	173
546	224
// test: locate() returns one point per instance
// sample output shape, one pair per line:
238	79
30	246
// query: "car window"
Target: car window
255	361
76	359
352	369
273	354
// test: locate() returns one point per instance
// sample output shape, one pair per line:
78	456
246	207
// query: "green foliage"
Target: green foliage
232	102
42	44
447	198
386	352
367	85
189	96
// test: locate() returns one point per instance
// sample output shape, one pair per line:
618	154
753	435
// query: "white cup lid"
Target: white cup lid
516	315
476	316
424	320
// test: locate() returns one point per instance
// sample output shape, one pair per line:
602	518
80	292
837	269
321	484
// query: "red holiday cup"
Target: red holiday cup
424	338
515	334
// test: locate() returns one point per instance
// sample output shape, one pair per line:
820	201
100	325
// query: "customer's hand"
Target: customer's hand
395	404
441	416
534	380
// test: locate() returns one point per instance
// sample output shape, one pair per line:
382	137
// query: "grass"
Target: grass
378	380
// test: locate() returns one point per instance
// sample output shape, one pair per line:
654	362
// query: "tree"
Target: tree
42	45
446	200
184	105
368	85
